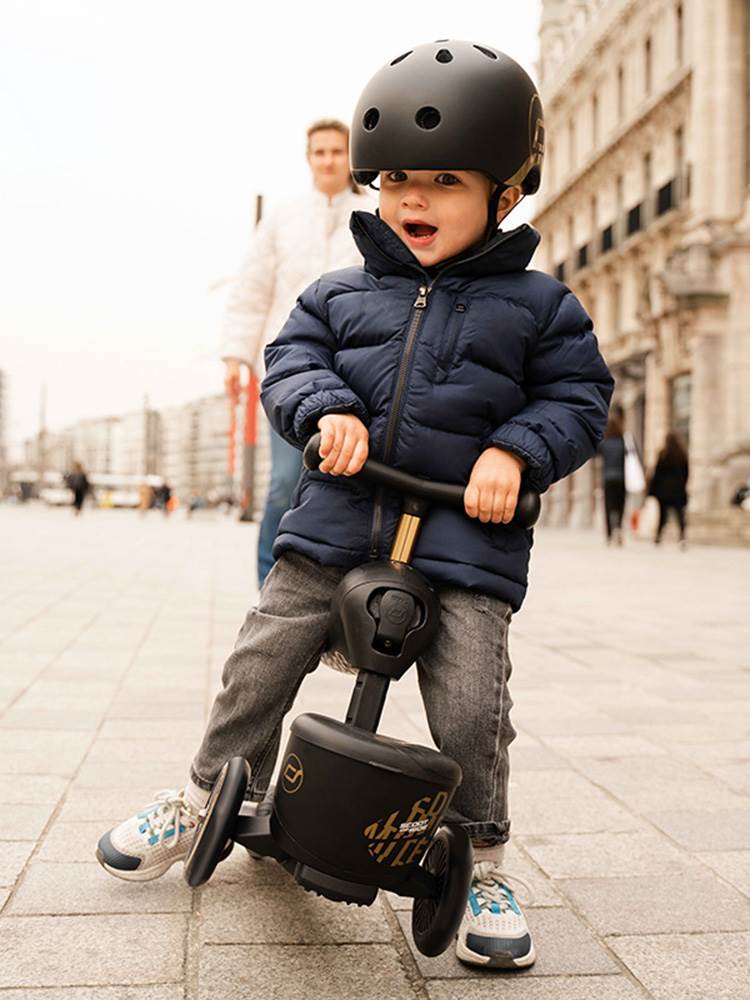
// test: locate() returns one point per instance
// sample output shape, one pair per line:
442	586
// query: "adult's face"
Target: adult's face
328	156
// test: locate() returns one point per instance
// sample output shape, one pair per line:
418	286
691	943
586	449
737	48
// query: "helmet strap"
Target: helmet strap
492	222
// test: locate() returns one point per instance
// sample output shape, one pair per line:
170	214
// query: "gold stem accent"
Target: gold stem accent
406	538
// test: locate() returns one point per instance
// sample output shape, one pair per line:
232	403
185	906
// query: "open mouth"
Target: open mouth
422	232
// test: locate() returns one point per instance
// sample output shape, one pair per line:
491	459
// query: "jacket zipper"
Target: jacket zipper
419	305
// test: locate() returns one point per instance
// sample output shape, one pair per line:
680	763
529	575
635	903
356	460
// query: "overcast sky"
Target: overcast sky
135	137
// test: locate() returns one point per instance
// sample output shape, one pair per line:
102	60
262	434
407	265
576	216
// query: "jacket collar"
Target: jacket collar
385	253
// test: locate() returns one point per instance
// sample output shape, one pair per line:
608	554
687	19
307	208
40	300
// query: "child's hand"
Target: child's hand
492	492
344	443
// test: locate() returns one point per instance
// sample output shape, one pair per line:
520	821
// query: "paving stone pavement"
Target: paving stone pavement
630	778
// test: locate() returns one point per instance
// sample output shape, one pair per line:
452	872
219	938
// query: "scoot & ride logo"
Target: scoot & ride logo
403	837
292	774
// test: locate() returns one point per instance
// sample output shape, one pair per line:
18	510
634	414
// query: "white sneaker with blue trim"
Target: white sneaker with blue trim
494	932
146	845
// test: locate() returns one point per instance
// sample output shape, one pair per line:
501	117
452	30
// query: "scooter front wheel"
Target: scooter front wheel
213	836
435	921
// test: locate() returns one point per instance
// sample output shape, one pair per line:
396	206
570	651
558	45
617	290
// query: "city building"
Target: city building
187	445
645	213
92	443
135	443
194	448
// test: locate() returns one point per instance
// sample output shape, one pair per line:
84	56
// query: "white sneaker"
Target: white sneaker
145	846
494	932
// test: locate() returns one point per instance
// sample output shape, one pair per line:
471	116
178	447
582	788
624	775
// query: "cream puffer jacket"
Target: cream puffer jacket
293	245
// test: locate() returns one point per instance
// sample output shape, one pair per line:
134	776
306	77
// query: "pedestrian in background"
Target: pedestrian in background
163	495
669	484
612	451
145	498
296	243
79	484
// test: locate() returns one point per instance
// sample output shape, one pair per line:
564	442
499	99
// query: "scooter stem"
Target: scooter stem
406	538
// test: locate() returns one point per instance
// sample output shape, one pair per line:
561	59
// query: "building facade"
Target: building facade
645	213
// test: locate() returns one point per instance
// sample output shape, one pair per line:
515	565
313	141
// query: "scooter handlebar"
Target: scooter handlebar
448	494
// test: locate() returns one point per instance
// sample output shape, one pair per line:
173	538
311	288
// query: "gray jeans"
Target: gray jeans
463	679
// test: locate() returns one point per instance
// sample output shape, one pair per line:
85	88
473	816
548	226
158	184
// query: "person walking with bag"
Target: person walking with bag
669	484
293	245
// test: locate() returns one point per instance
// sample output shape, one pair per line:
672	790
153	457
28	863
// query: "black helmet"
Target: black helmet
450	105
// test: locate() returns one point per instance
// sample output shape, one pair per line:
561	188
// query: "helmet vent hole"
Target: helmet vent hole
371	119
399	59
444	56
486	52
427	118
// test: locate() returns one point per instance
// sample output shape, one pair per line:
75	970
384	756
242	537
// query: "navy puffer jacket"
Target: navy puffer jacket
439	368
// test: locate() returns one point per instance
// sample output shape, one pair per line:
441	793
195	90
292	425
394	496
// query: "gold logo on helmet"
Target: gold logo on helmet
536	142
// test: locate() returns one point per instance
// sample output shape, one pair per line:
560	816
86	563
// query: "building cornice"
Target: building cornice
577	58
655	107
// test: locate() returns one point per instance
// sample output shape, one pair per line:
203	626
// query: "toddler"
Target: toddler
445	357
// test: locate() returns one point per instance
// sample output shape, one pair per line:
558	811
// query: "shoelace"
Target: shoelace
490	884
167	815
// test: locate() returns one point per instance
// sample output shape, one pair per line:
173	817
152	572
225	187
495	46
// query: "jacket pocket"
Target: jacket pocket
450	336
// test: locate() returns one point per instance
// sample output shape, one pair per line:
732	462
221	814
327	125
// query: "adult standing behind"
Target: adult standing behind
669	484
612	452
293	246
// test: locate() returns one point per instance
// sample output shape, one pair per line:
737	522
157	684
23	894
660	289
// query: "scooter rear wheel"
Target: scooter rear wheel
214	833
435	922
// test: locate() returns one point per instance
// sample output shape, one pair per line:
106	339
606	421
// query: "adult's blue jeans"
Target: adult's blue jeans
286	466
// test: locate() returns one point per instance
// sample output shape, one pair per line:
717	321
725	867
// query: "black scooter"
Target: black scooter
354	811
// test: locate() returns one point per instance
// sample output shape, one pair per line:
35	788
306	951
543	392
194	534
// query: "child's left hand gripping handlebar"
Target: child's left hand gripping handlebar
449	494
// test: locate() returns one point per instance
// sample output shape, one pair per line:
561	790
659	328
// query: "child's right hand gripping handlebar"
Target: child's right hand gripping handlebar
449	494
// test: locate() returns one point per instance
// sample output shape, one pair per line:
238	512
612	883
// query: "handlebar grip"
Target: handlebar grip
448	494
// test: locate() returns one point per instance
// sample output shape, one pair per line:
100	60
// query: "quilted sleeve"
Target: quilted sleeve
568	388
300	385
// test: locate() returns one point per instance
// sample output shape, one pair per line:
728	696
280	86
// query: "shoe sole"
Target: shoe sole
145	875
470	957
148	874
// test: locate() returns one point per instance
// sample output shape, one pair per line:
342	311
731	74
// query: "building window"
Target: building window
679	160
560	271
647	66
680	29
595	121
571	144
634	222
665	198
681	391
583	256
616	307
608	239
620	93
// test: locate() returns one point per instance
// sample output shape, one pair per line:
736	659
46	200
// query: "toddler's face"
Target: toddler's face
436	213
